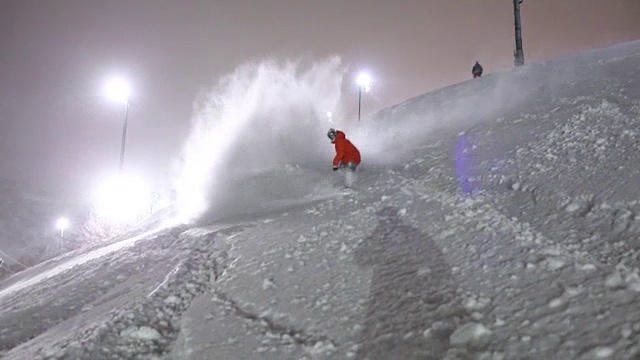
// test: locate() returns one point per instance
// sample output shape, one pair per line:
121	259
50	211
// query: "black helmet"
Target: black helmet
332	134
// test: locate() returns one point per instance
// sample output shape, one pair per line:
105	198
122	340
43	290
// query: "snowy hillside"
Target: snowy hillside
28	234
493	219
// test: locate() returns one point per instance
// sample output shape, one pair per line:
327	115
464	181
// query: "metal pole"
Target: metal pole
518	53
359	101
124	136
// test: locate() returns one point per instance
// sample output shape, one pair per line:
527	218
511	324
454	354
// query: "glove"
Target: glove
335	168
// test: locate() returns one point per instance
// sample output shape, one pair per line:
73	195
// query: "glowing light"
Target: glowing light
122	199
330	116
62	224
364	81
118	89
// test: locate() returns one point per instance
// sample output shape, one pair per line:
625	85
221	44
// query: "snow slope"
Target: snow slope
27	225
505	230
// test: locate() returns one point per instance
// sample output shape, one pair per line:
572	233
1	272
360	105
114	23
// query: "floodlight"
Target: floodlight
118	89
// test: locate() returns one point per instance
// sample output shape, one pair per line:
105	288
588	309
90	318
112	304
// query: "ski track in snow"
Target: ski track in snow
78	260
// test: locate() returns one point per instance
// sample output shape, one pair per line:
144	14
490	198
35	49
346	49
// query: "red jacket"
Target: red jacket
345	151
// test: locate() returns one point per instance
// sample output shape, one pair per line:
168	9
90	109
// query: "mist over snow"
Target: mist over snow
263	117
386	136
259	136
260	133
492	219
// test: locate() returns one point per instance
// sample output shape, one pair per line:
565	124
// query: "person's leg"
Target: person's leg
350	174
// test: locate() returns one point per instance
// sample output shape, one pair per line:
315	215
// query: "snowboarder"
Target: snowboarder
477	70
347	155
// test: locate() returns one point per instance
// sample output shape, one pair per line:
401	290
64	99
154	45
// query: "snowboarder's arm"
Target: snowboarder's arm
337	160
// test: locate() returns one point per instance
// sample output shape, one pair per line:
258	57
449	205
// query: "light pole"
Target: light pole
518	53
364	83
62	224
119	90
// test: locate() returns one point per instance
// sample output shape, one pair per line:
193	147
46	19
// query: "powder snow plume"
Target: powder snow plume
263	116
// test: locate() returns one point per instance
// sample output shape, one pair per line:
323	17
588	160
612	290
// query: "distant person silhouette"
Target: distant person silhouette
477	70
411	281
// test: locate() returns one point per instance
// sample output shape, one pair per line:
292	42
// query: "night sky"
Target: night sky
55	55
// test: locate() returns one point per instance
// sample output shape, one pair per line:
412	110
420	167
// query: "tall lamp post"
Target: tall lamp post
364	83
119	90
518	52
